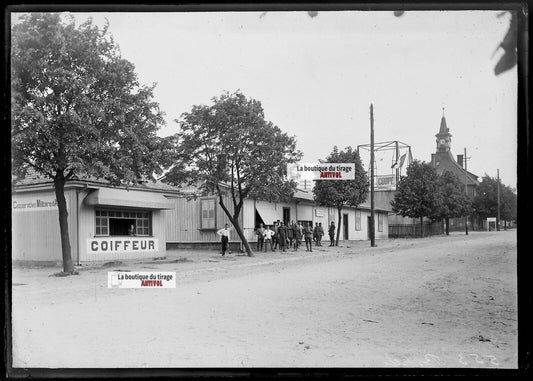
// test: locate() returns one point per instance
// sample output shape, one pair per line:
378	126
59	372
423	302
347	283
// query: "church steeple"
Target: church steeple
443	136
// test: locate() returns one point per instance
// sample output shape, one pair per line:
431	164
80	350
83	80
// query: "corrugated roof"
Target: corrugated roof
34	178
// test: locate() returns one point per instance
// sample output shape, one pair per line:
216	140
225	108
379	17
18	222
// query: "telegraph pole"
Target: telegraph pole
466	190
498	221
372	215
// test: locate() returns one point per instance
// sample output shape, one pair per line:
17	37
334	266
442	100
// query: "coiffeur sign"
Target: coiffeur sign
121	244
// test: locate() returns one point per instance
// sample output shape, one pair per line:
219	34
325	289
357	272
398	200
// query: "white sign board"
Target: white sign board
321	171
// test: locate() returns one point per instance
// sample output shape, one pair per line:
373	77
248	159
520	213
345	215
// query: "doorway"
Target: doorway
345	226
286	215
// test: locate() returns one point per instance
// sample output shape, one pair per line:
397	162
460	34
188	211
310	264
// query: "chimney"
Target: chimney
460	160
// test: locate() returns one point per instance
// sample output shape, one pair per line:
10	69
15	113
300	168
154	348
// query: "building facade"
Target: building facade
193	221
105	223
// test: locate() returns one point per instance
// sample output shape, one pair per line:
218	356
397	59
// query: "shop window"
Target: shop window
380	222
207	213
116	222
357	220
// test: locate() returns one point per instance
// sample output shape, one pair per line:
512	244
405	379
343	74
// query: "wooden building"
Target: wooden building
99	220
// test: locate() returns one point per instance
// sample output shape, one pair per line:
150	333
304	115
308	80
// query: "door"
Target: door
345	226
286	215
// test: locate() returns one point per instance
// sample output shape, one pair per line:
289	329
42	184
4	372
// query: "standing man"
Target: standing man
315	233
267	234
308	234
282	237
275	228
331	232
260	237
297	231
224	236
290	233
320	233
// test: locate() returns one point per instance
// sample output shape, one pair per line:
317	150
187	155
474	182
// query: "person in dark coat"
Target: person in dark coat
260	238
275	228
308	234
297	232
320	233
282	236
315	233
290	234
331	232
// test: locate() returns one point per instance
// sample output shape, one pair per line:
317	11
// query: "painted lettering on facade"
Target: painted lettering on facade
34	205
122	245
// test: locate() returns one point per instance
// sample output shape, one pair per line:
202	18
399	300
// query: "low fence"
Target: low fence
413	230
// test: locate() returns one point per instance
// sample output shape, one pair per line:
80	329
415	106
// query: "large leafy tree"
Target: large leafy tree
485	203
418	193
341	193
454	201
228	146
78	109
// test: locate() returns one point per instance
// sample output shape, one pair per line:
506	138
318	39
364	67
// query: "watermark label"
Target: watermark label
321	171
143	279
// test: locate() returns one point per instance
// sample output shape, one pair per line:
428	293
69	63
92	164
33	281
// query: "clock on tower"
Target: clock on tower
443	137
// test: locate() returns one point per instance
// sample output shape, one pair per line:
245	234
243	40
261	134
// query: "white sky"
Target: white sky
316	77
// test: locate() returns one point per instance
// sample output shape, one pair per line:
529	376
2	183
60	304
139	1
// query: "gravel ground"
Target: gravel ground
446	302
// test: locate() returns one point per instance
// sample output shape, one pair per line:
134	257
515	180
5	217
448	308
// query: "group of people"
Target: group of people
284	237
290	236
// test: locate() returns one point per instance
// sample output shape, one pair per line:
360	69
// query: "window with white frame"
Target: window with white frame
119	222
380	222
207	213
357	220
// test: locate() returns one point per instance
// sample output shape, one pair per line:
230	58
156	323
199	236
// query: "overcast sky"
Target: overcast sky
316	77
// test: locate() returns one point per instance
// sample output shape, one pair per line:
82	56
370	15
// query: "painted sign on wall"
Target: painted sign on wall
117	244
34	205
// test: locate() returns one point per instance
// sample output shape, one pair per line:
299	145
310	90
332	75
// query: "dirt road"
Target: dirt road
439	302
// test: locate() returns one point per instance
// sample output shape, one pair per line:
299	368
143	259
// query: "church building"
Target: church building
443	161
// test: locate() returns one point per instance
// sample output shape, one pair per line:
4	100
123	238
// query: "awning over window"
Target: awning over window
268	213
131	199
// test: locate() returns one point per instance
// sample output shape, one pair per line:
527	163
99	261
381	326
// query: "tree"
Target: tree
230	146
485	203
453	200
417	194
341	193
78	110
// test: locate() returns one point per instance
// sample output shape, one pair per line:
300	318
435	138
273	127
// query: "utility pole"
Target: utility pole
372	214
466	190
498	220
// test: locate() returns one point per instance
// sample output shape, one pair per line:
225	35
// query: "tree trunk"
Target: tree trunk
234	219
422	227
447	225
59	185
238	229
338	226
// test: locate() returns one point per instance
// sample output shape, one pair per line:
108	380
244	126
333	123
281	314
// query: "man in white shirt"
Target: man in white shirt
268	233
224	235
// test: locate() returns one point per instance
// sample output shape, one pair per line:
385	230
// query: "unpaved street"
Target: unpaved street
434	302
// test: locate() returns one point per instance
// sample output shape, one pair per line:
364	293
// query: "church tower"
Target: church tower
444	138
